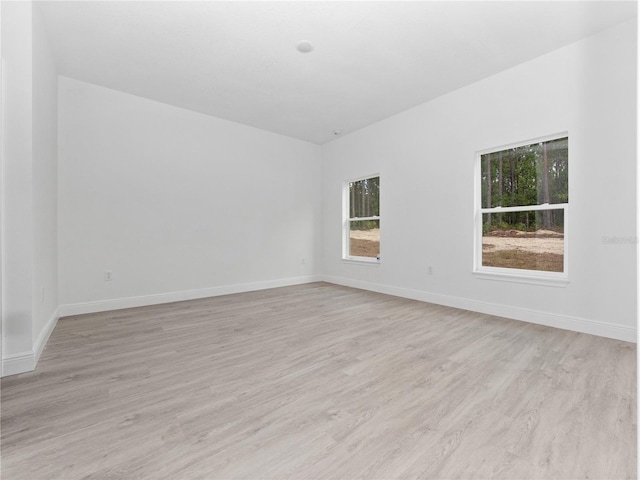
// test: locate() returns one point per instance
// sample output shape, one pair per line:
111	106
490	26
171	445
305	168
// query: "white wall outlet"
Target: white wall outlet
303	261
108	275
430	270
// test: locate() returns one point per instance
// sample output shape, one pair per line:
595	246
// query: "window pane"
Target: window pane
364	238
528	175
364	198
520	240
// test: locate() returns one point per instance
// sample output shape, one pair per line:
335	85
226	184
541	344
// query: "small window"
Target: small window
522	214
362	220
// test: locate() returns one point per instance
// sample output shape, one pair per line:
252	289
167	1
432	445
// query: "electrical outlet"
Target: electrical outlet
303	261
108	275
430	270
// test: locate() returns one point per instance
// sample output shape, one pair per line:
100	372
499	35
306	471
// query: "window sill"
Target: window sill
522	278
364	261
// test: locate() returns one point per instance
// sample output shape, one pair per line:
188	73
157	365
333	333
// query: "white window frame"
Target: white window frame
346	224
536	277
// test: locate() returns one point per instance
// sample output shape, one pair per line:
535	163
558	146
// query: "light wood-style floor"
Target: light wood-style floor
319	382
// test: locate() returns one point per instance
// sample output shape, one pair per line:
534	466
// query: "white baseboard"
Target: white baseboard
18	363
592	327
43	338
146	300
26	361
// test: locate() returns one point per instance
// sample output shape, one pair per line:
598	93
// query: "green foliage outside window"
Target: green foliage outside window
533	174
364	201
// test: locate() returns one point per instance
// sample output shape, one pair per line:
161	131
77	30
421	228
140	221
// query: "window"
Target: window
522	214
362	220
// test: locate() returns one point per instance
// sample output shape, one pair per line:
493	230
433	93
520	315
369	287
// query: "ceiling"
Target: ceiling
371	60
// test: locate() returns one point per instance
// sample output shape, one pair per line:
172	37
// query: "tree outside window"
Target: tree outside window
524	201
362	226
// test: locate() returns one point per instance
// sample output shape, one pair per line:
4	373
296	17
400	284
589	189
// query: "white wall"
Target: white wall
426	160
177	204
45	185
29	226
17	189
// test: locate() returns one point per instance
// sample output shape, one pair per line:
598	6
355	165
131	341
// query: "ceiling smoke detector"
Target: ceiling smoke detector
304	46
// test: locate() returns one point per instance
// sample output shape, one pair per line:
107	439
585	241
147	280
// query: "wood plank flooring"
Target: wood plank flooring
319	381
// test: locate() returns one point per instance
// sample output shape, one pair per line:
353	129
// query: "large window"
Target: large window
523	204
362	219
